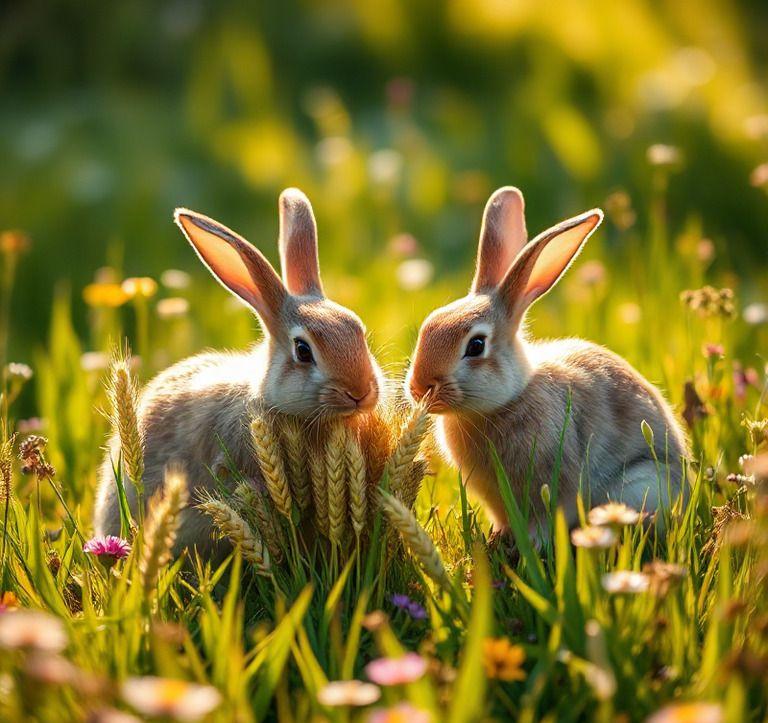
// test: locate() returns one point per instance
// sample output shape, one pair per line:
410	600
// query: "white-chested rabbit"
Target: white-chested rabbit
313	361
490	383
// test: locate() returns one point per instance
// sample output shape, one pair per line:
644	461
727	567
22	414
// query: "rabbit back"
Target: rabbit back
603	448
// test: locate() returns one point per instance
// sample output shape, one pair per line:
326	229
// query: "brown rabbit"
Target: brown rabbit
491	383
314	361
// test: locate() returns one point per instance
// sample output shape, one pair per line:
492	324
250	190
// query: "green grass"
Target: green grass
270	644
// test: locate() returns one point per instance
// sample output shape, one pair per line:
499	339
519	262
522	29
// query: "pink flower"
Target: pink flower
108	549
401	713
396	671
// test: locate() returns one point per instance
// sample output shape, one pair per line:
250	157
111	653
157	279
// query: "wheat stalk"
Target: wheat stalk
356	478
337	488
319	487
162	526
414	535
239	532
6	465
411	484
267	450
123	394
295	454
255	504
406	450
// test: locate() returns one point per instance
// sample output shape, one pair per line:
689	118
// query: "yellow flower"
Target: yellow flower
503	660
105	295
688	713
9	601
141	287
176	699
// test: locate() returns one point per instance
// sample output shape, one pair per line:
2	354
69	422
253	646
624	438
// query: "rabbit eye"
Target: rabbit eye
475	346
303	351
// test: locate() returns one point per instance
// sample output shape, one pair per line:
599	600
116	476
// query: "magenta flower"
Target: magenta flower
396	671
109	549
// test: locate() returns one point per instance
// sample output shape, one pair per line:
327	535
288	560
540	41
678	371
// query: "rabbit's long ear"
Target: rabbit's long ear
298	244
502	236
539	266
239	266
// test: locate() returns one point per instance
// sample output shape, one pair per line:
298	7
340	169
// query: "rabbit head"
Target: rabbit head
315	359
470	355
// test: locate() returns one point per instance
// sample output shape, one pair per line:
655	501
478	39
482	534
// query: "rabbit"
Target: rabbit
478	370
314	362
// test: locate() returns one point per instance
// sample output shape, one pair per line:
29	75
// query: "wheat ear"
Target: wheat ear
415	536
295	454
356	478
6	465
239	532
123	396
253	504
319	487
267	450
337	483
406	450
161	526
412	482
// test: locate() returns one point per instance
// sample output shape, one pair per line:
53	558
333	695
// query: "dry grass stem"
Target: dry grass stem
267	450
161	527
415	536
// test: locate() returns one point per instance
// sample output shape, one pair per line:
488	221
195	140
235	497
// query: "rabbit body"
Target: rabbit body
603	452
190	414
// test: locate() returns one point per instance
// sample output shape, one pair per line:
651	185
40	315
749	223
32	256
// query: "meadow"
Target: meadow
398	119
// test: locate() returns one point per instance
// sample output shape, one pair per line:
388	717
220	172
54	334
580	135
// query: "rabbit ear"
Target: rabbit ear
502	236
539	266
298	244
239	266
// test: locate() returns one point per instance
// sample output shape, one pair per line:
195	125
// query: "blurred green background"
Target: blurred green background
398	118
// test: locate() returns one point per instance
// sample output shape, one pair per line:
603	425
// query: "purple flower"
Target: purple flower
403	602
108	549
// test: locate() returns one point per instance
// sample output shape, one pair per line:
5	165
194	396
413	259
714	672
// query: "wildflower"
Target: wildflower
757	467
32	425
401	713
705	250
756	127
141	287
396	671
403	244
630	313
32	458
348	692
172	308
403	602
756	428
14	242
175	279
384	166
9	601
94	361
688	713
105	295
759	176
108	549
709	302
713	351
178	699
613	513
625	581
50	669
414	274
503	660
663	156
374	620
593	537
756	313
32	630
618	206
17	373
663	576
592	273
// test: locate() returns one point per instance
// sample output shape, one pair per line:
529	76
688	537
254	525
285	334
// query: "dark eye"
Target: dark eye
475	346
303	351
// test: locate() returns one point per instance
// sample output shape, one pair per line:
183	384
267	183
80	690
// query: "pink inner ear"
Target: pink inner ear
222	259
555	257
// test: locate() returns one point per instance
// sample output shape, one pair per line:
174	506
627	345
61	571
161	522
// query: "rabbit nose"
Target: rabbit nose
367	399
420	390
